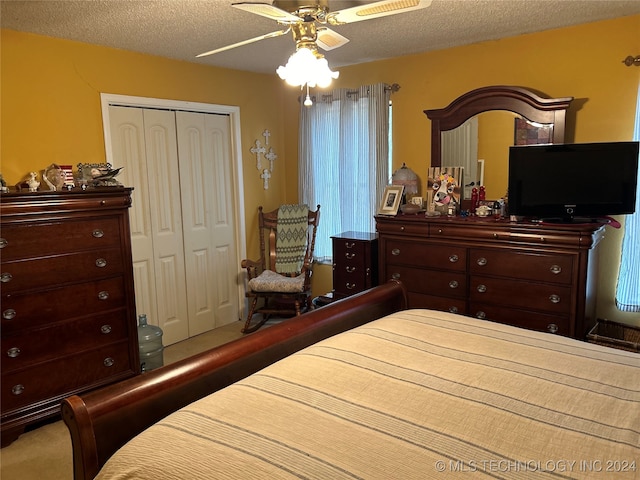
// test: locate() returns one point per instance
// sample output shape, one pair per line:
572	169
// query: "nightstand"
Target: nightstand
355	263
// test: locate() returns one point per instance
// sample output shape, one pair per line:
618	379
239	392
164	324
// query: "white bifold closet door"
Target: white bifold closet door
182	217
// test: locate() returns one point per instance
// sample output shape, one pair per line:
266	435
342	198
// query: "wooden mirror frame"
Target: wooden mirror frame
500	97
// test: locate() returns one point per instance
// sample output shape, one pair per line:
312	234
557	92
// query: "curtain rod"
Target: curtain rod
393	88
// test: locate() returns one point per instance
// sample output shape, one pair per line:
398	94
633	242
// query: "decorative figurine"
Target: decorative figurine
33	182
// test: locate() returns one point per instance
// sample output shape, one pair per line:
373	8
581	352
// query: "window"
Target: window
628	289
344	159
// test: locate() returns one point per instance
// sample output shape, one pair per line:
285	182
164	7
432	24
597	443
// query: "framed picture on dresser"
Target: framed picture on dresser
391	200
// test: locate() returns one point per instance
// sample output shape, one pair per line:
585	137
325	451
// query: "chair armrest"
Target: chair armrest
253	267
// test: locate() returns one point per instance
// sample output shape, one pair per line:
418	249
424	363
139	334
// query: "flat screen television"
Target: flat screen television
573	182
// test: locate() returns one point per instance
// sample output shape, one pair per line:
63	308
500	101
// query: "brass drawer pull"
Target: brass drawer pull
350	286
3	242
552	328
395	251
350	256
453	309
9	314
98	233
6	277
453	258
103	295
555	269
395	276
13	352
106	329
17	389
349	244
402	228
481	315
481	288
101	263
554	298
482	261
453	284
108	362
350	269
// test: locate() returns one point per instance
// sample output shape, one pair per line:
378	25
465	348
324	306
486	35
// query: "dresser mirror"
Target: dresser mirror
477	128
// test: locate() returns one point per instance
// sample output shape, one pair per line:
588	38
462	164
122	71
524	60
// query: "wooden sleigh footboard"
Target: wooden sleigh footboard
102	421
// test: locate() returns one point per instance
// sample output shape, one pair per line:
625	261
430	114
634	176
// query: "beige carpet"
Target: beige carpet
45	452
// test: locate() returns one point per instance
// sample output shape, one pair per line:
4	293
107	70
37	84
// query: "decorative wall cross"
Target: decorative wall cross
265	178
266	134
271	156
259	150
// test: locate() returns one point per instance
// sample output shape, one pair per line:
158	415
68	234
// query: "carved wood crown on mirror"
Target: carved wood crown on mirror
520	101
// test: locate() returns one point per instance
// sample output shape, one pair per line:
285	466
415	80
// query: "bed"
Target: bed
363	388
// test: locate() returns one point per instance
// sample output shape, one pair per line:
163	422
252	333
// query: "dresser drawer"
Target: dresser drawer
446	257
25	240
21	311
27	348
399	227
529	295
443	304
521	318
554	268
65	375
32	274
436	282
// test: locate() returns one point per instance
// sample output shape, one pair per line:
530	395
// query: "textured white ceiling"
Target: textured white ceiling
181	29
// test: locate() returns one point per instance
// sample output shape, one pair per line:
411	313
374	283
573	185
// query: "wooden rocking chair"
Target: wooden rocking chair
282	275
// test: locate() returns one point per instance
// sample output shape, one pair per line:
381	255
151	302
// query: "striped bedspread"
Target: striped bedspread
416	395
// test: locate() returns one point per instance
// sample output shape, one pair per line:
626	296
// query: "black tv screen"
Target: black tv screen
567	182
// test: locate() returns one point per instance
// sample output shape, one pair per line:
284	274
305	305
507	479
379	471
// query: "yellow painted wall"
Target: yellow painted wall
583	61
50	109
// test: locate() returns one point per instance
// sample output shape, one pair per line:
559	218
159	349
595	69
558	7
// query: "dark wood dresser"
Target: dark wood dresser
68	308
537	276
355	263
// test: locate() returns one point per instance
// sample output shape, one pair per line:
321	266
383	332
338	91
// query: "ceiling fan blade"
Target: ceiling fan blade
245	42
375	10
267	10
328	39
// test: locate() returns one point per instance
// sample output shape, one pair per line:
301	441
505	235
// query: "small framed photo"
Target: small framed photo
391	200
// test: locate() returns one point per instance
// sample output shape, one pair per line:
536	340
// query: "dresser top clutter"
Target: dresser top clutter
68	308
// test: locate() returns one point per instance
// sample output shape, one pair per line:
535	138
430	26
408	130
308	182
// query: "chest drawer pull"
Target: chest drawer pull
98	233
103	295
9	314
554	298
481	315
350	286
109	362
453	284
105	329
101	262
350	256
481	261
13	352
395	251
453	258
349	244
552	328
350	269
3	242
555	269
17	389
5	277
395	276
481	288
453	309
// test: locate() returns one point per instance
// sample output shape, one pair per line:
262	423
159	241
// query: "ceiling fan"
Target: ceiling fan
307	20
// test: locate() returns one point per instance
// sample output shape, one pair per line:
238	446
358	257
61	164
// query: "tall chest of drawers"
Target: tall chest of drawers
541	277
68	308
355	263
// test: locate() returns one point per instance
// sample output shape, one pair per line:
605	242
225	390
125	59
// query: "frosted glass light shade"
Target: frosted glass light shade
305	68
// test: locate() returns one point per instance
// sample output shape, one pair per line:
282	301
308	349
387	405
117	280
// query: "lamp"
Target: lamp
307	67
407	177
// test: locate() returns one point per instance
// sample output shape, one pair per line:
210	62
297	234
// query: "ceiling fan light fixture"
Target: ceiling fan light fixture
306	67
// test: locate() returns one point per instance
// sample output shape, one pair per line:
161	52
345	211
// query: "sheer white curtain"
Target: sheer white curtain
628	290
343	153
